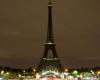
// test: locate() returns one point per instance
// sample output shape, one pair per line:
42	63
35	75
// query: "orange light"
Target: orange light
66	70
98	72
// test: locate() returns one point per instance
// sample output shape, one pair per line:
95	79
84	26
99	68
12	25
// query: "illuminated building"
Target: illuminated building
50	64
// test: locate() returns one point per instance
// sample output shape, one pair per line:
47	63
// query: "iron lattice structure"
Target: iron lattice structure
50	62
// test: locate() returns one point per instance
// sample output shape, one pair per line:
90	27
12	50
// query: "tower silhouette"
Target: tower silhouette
50	59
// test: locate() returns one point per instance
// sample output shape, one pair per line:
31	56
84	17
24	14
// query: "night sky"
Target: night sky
23	28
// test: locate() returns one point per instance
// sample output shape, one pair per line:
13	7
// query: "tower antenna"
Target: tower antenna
50	3
49	0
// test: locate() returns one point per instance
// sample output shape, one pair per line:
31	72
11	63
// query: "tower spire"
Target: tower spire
50	1
50	37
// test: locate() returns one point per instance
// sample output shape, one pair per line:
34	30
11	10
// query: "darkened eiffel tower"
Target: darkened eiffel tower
49	62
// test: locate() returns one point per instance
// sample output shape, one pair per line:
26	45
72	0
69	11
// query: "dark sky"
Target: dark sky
23	27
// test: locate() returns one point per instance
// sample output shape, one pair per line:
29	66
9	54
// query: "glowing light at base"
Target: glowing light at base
49	74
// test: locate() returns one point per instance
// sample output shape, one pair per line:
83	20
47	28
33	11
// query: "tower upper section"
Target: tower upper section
50	36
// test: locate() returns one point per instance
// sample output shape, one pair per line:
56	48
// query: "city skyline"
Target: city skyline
24	27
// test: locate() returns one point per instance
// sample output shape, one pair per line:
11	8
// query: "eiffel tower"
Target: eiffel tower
50	59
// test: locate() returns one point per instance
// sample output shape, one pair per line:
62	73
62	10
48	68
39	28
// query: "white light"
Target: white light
7	73
2	72
1	78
